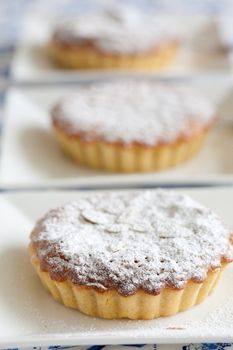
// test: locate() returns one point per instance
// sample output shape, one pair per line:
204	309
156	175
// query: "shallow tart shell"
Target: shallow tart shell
141	305
89	57
100	154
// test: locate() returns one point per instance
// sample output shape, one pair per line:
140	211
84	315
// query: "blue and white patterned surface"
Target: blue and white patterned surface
201	346
12	13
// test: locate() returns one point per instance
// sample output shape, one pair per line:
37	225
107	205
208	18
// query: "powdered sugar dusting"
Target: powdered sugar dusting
156	238
129	111
126	31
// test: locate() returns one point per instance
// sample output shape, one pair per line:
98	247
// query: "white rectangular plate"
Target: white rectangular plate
31	156
201	52
29	316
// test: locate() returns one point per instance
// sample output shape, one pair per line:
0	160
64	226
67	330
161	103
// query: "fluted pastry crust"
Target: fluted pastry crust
141	305
90	58
117	157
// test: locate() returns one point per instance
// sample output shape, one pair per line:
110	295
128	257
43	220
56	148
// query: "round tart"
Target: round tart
137	255
132	126
123	39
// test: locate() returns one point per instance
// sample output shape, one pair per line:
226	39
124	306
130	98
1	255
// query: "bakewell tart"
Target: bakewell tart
123	39
137	255
132	126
